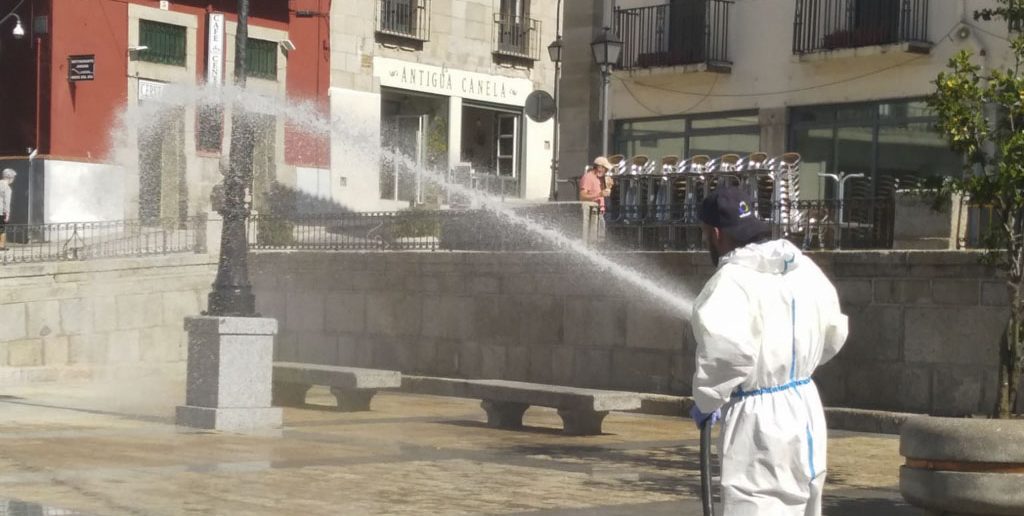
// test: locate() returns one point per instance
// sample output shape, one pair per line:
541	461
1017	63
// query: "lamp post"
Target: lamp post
606	50
555	52
232	292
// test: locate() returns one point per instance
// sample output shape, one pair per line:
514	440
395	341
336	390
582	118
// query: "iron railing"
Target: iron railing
109	239
821	25
516	36
811	225
404	18
680	33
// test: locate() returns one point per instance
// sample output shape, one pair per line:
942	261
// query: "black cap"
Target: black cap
732	210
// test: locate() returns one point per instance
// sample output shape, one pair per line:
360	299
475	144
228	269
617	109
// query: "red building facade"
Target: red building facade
69	122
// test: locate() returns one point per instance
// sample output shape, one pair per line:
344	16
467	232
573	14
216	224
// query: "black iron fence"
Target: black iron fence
109	239
811	225
404	18
517	36
680	33
836	24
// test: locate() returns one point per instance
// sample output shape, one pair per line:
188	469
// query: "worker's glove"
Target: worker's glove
699	417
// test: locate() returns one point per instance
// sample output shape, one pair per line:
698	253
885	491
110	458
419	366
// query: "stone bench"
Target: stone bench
582	410
353	387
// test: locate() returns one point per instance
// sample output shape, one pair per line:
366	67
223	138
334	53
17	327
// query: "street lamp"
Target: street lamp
232	292
606	50
19	31
555	52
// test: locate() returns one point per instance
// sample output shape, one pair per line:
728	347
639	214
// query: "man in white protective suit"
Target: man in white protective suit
764	322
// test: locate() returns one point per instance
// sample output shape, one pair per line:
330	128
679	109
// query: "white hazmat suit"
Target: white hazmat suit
763	323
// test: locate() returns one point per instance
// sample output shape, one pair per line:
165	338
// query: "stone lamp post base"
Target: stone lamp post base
230	367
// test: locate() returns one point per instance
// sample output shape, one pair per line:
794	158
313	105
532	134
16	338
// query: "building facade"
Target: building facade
91	109
842	82
427	87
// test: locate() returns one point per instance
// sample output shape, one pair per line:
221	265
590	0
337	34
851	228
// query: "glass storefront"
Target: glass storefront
414	138
893	143
712	134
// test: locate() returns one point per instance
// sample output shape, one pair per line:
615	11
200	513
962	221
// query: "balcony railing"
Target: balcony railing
516	36
681	33
404	19
821	25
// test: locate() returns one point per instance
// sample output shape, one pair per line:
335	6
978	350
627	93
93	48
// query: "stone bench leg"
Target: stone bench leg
581	422
351	400
289	394
504	414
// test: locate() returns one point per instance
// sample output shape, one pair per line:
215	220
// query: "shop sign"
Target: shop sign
451	82
215	49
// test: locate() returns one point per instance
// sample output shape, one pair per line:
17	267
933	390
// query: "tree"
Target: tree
981	113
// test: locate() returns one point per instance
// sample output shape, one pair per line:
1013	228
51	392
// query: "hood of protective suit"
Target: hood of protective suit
774	257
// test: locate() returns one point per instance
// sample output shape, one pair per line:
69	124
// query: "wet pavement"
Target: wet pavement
102	449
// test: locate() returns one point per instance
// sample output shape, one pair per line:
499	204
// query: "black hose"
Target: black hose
705	468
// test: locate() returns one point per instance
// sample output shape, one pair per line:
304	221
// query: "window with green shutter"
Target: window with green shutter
261	59
165	43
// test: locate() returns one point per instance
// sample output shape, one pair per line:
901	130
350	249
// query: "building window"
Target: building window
515	33
821	25
893	143
714	134
261	59
166	43
210	132
404	19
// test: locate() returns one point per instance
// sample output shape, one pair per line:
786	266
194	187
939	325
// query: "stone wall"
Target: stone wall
80	319
924	325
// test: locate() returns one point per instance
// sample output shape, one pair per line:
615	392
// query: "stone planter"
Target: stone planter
963	466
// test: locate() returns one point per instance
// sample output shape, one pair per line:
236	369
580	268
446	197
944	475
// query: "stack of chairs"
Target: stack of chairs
668	191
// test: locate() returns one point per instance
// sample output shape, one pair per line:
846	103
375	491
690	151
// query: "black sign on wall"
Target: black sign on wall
81	68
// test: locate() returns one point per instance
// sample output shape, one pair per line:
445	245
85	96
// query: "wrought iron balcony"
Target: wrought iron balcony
678	33
404	19
516	36
822	25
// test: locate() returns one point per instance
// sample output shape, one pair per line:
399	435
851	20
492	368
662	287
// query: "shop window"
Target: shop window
715	134
166	43
894	143
261	59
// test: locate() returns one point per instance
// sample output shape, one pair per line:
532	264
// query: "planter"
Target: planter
963	466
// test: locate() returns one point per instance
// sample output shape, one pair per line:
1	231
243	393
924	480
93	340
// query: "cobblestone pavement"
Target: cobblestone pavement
112	449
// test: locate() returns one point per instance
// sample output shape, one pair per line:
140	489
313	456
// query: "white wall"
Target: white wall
355	149
83	192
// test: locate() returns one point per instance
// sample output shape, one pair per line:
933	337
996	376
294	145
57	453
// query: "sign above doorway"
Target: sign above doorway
451	82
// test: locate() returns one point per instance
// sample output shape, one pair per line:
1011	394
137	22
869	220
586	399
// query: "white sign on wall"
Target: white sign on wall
451	82
150	90
215	49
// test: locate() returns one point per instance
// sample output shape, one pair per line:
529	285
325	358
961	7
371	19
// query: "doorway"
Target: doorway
414	138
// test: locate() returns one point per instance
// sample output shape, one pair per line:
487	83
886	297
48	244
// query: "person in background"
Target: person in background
6	180
595	185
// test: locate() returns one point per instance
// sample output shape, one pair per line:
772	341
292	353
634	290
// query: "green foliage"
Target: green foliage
416	222
273	231
981	113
